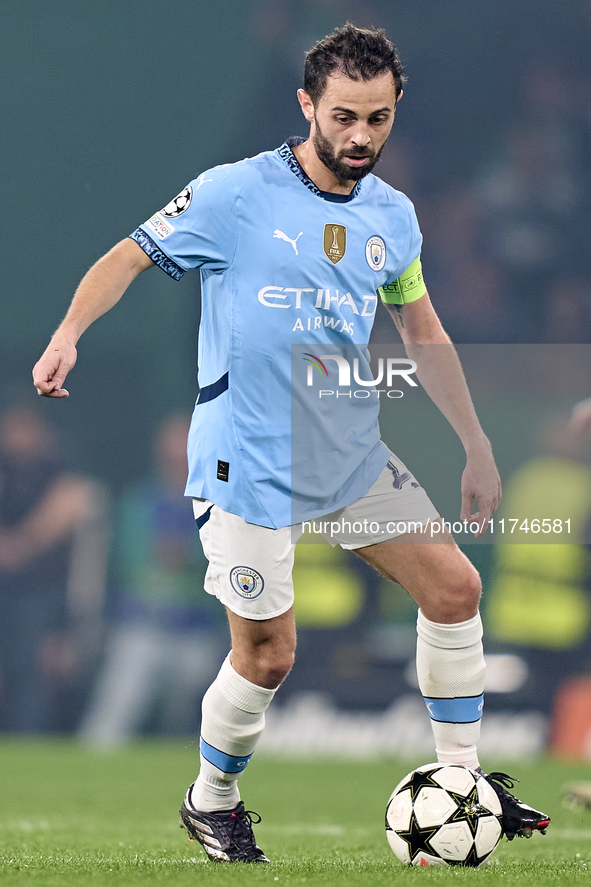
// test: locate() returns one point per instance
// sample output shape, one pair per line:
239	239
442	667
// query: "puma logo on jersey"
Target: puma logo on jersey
202	180
281	236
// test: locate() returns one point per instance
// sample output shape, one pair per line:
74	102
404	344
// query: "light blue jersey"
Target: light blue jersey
282	264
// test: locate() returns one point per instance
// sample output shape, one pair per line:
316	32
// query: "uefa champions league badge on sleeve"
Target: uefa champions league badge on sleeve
375	253
246	582
178	204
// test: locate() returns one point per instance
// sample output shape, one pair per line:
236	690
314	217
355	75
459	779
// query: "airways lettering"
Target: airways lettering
315	323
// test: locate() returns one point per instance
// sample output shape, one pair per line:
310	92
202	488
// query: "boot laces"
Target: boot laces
240	831
502	779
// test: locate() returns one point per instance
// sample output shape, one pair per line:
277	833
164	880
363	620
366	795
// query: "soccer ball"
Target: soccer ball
179	203
442	814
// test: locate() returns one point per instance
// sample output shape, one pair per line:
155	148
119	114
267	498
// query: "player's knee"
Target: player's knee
273	657
274	665
460	595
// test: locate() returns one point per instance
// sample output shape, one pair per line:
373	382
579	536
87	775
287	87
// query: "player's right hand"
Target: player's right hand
49	373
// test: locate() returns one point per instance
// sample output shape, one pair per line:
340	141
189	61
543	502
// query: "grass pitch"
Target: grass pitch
70	817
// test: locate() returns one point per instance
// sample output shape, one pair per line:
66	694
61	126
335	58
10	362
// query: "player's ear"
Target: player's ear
399	96
306	105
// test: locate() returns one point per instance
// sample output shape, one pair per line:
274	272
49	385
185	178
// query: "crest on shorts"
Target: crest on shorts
246	582
335	242
399	478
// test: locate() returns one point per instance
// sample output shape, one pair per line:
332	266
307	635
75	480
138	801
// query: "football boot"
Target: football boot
518	818
226	836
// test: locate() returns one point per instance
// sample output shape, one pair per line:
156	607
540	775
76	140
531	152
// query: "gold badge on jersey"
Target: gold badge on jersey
335	242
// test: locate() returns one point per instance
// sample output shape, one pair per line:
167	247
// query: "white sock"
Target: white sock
450	669
232	720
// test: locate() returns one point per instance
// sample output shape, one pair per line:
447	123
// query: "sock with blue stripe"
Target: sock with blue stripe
233	718
450	670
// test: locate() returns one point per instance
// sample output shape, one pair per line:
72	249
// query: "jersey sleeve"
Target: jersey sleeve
409	285
196	229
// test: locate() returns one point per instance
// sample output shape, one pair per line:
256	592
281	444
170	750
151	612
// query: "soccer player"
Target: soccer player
293	247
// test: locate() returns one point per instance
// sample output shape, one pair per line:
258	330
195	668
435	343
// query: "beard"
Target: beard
335	162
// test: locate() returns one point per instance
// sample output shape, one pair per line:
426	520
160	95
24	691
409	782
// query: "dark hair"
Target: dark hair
359	53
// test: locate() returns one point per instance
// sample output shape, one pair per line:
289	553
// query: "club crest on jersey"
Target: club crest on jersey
179	204
246	582
335	242
375	253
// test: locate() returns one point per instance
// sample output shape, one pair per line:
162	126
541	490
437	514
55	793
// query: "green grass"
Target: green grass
70	817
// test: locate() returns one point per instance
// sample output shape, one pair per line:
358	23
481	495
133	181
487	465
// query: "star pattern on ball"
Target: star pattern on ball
469	809
417	781
418	838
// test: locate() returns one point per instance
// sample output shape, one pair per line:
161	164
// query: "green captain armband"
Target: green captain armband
409	287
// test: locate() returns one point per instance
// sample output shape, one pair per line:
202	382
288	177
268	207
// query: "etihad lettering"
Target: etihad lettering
370	303
340	300
298	291
272	292
321	299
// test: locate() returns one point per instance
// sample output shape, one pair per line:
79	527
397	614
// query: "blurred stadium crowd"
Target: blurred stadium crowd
105	630
507	247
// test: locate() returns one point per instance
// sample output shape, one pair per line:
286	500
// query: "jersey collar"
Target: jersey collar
286	154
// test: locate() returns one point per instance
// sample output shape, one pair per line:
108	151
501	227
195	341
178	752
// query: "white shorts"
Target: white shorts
250	566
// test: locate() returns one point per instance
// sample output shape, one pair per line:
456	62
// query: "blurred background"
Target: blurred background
107	111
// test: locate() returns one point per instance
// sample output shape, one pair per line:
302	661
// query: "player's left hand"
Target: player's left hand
481	484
